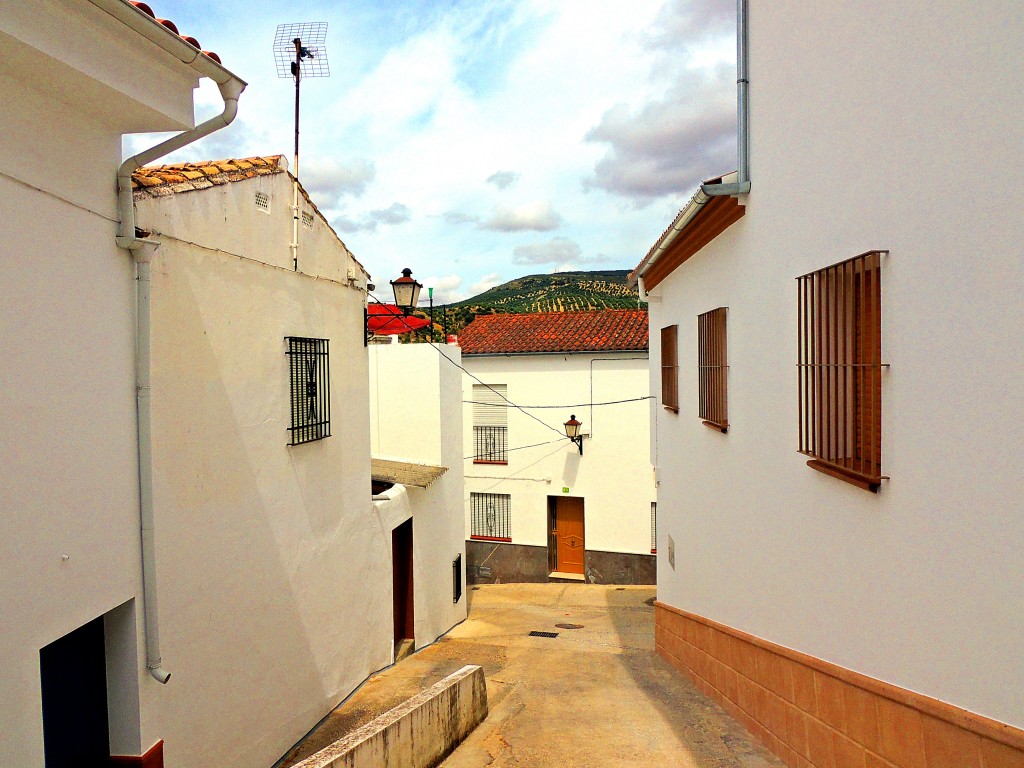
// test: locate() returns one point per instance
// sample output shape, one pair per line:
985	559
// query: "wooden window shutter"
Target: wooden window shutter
670	367
840	369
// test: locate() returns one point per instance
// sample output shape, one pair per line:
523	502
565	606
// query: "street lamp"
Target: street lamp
407	291
407	295
572	431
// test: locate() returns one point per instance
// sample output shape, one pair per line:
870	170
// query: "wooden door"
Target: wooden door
402	583
569	539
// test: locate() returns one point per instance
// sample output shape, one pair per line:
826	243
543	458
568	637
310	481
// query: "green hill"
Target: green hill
560	292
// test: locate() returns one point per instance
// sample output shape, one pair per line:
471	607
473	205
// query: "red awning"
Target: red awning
388	320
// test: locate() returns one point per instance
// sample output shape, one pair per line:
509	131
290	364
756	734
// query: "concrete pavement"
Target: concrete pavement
594	696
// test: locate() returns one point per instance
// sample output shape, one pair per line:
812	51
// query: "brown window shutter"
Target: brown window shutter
670	368
712	369
840	369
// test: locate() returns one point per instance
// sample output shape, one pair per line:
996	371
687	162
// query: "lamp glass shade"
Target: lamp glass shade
572	428
407	290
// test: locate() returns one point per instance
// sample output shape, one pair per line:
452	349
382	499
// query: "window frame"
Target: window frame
670	368
489	407
839	366
713	369
309	389
503	516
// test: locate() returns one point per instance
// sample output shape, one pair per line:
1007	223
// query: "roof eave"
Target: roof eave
681	221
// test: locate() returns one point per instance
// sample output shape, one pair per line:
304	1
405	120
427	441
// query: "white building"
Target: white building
205	392
539	507
75	76
871	612
416	440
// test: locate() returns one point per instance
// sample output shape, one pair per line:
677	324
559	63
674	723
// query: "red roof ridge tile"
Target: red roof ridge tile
600	330
144	8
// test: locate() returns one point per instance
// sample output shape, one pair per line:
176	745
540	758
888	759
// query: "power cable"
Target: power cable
577	405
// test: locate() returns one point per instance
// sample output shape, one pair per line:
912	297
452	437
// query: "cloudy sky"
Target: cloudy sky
475	141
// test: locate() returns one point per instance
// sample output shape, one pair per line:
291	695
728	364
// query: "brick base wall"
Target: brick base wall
814	714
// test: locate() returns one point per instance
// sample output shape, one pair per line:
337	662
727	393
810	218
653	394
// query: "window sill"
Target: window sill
483	461
723	428
866	482
490	538
670	408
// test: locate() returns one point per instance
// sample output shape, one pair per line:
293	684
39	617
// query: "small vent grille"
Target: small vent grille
263	202
307	220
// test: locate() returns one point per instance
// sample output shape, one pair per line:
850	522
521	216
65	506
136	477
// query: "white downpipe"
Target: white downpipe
742	183
142	250
143	256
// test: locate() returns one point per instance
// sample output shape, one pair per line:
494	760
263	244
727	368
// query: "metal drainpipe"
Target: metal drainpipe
742	184
142	251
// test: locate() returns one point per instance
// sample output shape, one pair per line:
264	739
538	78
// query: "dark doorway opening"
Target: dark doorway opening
73	673
401	558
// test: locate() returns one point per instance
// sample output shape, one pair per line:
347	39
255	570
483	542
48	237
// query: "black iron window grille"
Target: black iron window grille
310	378
490	445
457	578
490	516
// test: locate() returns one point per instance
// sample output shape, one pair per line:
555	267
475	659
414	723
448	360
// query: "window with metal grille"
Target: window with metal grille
654	527
457	578
310	378
490	424
713	369
840	369
489	515
670	368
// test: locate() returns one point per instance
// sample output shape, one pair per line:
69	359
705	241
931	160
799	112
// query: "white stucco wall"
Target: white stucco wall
273	573
896	128
67	395
416	416
613	476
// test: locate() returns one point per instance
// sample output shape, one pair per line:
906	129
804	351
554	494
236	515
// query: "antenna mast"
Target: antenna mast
299	52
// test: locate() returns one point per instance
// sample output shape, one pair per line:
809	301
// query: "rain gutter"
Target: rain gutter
142	251
739	182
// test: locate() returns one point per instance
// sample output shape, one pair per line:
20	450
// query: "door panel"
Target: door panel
569	538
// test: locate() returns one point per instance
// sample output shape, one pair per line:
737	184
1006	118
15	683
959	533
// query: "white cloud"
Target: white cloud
446	289
396	213
485	283
329	180
554	251
538	216
457	217
670	144
502	179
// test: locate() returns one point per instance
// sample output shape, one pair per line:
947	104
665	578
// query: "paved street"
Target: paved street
596	696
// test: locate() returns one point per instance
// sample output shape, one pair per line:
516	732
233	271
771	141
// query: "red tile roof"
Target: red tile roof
144	8
159	180
599	331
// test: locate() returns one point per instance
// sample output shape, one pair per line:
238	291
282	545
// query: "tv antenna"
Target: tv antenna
299	52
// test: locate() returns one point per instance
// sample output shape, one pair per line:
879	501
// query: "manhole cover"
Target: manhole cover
538	633
569	626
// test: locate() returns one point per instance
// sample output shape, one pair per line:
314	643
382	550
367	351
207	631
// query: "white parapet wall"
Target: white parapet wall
418	733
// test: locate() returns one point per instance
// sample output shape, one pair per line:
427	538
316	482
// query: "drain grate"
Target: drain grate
538	633
569	626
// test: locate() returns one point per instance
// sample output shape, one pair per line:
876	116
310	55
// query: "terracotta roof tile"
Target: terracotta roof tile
144	8
185	177
598	331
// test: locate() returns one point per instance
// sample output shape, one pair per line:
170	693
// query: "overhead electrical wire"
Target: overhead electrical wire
577	405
